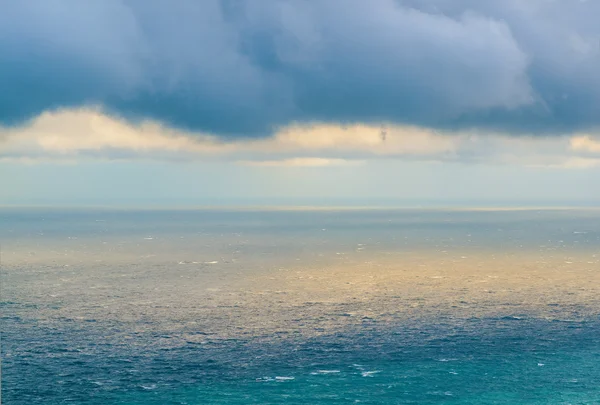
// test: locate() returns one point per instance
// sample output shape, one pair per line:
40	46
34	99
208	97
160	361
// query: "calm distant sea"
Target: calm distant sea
219	307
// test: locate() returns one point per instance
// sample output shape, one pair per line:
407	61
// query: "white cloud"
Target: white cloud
88	133
72	135
302	162
586	143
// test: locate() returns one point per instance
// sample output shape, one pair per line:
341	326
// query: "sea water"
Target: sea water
300	306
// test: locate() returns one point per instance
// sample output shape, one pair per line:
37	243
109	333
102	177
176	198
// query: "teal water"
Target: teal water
482	362
92	313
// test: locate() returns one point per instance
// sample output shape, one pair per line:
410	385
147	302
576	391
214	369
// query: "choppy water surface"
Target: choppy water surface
306	307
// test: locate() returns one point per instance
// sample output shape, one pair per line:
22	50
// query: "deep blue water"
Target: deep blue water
435	359
484	361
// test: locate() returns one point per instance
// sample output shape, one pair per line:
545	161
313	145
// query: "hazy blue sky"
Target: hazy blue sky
286	101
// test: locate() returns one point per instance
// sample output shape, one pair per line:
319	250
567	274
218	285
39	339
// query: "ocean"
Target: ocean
300	306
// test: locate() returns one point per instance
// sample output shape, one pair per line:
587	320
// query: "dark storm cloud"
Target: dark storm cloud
242	68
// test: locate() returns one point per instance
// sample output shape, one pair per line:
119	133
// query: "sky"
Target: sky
334	102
